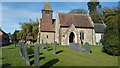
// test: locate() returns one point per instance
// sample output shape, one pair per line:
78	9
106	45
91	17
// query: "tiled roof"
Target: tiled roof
47	6
2	32
78	20
99	28
48	26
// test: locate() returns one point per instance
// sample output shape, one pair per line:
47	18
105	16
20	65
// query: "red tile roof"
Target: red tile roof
48	26
67	19
78	20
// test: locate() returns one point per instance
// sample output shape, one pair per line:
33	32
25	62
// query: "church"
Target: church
67	28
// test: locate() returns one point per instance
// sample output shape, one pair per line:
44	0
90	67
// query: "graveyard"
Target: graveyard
64	56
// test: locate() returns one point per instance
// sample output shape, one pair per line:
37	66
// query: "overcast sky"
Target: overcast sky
15	12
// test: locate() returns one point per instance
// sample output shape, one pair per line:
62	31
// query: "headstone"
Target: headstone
76	46
54	48
26	55
87	48
47	46
42	45
101	46
20	49
36	55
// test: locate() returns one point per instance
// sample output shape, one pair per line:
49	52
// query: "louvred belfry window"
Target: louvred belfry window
47	12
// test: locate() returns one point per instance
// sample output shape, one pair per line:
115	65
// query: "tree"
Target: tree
111	34
78	11
93	5
29	29
14	37
95	11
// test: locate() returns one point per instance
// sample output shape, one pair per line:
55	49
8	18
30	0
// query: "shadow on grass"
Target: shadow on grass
50	49
59	51
6	44
32	61
6	65
50	63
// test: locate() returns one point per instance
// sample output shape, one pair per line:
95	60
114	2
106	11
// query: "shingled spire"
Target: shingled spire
47	6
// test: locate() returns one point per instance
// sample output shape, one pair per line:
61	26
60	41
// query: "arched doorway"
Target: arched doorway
71	38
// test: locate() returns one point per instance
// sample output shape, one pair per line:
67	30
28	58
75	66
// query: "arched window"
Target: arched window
81	35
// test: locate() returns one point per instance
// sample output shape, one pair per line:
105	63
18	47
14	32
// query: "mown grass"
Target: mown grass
64	57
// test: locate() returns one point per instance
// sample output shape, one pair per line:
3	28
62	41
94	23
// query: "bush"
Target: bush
110	39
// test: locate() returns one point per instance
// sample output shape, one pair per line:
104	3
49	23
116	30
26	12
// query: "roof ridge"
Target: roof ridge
72	13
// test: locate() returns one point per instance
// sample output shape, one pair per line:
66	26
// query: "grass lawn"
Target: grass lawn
64	57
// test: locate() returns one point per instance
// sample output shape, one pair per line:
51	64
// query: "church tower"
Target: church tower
47	14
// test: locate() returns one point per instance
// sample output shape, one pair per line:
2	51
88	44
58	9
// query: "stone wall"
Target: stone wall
49	39
89	35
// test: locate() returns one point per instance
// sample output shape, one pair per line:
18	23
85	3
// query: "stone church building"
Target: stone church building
67	28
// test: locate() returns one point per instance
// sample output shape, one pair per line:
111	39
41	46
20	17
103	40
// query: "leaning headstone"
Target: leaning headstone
87	48
54	48
20	49
76	46
36	56
26	55
47	46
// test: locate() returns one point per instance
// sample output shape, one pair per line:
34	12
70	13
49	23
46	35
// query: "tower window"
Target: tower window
47	12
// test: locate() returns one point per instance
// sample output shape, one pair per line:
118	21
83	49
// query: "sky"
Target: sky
13	13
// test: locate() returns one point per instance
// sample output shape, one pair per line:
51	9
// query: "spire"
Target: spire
47	6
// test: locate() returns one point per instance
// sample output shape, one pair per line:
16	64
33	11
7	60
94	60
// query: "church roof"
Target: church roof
78	20
48	27
47	6
2	32
99	28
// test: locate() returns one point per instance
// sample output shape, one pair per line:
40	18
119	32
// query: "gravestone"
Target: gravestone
54	48
26	55
20	49
47	46
76	46
87	48
42	45
101	46
36	55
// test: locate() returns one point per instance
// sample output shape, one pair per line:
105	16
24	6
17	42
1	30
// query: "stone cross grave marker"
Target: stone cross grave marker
47	46
76	46
87	48
36	55
54	48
